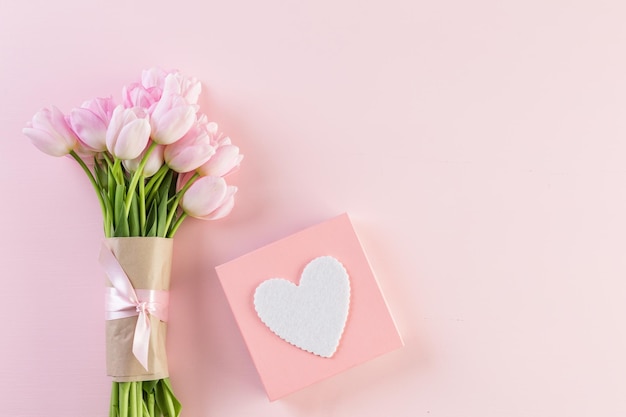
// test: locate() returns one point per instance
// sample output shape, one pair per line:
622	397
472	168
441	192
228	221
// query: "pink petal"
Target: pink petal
132	140
90	128
226	207
47	143
173	125
204	196
225	159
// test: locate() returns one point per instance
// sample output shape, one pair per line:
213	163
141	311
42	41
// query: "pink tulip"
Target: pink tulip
191	151
172	82
209	198
153	164
217	137
136	95
171	119
51	133
90	122
128	132
188	88
226	207
154	78
226	158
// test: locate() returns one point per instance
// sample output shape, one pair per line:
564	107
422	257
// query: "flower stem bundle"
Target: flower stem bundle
152	160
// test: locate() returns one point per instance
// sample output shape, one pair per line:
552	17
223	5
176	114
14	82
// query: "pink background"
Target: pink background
479	146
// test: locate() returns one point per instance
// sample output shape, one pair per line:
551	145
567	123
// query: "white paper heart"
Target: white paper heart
312	315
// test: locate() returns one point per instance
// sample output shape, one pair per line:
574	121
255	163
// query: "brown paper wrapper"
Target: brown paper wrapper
147	261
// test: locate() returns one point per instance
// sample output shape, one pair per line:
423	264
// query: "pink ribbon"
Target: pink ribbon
122	301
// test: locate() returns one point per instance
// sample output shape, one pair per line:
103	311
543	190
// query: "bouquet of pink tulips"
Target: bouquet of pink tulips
153	160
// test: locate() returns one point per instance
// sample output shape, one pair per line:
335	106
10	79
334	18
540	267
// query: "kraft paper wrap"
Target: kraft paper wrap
147	262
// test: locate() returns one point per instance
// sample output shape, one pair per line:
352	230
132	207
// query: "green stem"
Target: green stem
153	184
140	404
117	171
124	391
179	196
107	158
142	207
115	404
177	224
93	181
138	174
132	400
150	401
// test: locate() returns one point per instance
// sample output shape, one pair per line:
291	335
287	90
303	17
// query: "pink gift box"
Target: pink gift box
369	328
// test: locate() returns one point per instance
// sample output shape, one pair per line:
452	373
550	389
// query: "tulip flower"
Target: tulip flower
136	95
208	198
154	78
188	88
171	119
191	151
153	164
51	133
128	132
90	122
225	208
226	157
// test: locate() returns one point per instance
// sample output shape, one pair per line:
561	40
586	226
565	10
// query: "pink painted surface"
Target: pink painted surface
479	146
369	331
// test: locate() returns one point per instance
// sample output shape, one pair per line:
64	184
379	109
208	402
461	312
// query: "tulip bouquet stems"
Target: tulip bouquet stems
133	206
152	162
143	398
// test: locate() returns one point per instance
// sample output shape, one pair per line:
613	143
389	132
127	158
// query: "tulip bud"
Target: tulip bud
226	159
136	95
128	132
90	122
188	88
191	151
171	119
209	198
154	78
50	132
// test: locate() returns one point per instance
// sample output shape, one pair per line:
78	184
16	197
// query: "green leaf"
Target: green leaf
133	220
154	182
145	411
100	174
151	221
149	401
121	226
148	386
162	218
163	201
118	172
165	399
176	406
110	184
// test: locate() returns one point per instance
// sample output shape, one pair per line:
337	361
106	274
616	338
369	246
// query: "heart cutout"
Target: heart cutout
311	316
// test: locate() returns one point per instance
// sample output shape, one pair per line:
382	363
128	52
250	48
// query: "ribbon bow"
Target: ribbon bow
122	301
